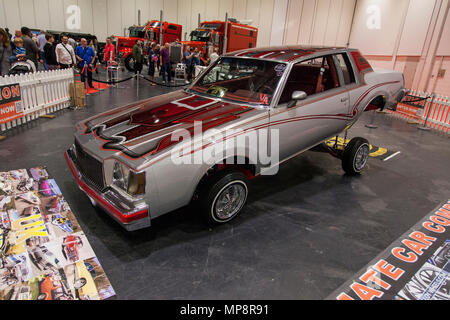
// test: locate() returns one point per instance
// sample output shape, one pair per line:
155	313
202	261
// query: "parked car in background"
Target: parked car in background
122	159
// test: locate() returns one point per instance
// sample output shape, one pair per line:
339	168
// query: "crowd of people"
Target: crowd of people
159	59
43	52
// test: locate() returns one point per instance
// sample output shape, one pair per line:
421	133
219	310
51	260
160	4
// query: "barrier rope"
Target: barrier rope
94	68
114	81
418	100
165	85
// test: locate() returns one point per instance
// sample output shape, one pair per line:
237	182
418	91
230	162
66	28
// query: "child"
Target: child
19	52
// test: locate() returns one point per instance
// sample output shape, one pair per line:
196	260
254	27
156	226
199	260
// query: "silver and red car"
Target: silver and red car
123	159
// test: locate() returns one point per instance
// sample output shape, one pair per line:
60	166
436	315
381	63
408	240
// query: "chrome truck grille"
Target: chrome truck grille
90	168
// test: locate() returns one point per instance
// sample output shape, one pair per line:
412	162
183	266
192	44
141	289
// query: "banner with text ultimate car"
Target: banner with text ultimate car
10	103
415	267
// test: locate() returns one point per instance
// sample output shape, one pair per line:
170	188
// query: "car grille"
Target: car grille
90	168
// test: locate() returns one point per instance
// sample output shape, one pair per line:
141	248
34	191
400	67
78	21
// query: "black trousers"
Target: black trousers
89	77
138	67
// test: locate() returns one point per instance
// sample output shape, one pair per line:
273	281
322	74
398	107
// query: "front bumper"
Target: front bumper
111	201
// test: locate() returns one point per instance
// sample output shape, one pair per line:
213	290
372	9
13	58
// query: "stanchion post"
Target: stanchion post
138	75
424	127
85	78
371	125
75	106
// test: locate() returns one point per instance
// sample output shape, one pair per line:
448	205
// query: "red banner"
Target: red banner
10	103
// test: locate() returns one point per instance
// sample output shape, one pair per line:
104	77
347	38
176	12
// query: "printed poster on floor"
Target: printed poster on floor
44	254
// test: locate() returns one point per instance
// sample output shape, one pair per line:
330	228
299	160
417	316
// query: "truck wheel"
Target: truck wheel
223	196
355	156
129	63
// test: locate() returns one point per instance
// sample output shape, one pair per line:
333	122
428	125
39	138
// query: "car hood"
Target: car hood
144	129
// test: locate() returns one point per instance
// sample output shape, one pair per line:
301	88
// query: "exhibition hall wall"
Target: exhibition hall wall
407	35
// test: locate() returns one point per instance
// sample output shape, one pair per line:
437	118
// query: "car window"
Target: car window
311	76
247	80
346	67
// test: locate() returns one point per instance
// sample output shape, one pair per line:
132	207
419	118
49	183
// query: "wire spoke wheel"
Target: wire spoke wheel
230	201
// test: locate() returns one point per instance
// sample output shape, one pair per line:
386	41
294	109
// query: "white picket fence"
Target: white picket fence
42	93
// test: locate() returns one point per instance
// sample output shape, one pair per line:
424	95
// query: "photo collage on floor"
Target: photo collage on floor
44	254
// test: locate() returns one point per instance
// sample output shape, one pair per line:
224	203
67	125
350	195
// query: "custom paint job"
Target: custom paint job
139	135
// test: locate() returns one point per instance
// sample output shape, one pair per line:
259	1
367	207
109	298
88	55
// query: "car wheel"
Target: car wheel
129	63
355	156
223	196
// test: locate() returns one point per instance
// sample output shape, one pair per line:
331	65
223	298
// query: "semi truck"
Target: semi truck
147	34
227	36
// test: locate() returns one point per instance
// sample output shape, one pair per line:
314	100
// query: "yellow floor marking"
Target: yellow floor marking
341	143
2	138
48	116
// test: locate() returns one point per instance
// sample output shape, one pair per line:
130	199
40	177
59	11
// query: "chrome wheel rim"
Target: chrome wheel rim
361	157
230	201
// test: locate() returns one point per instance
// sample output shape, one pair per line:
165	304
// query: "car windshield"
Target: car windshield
200	36
245	80
137	33
155	24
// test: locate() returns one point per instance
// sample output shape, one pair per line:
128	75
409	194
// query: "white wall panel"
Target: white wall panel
155	7
307	22
444	47
374	40
224	7
416	26
100	23
294	16
334	17
3	22
114	18
265	26
278	22
170	10
129	13
212	10
42	16
345	23
239	9
26	9
183	18
13	17
57	15
66	4
87	22
144	6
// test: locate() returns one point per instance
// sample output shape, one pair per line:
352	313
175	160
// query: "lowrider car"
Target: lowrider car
297	96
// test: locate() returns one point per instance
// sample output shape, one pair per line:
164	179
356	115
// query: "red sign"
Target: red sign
10	103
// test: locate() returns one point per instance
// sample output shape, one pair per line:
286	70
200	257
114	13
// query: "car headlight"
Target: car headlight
131	182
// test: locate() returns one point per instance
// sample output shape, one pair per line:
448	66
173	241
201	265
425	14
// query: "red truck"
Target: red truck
213	34
148	33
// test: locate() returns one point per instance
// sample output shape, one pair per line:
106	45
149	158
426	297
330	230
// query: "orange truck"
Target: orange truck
228	37
148	33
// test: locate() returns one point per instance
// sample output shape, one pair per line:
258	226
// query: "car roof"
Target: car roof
281	53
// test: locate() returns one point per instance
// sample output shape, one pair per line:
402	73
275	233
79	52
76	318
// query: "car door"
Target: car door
323	114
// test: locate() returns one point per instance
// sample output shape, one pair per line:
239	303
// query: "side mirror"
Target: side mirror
297	96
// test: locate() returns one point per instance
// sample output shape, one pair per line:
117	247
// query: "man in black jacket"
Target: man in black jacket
30	46
49	52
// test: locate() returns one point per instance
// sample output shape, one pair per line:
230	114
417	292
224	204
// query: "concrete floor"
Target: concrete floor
304	232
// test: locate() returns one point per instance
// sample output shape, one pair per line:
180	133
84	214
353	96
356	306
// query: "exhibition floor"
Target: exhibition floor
303	233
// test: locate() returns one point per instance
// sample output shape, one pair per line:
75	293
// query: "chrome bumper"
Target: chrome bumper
111	201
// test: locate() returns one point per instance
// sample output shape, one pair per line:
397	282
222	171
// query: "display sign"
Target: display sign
415	267
44	254
10	103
